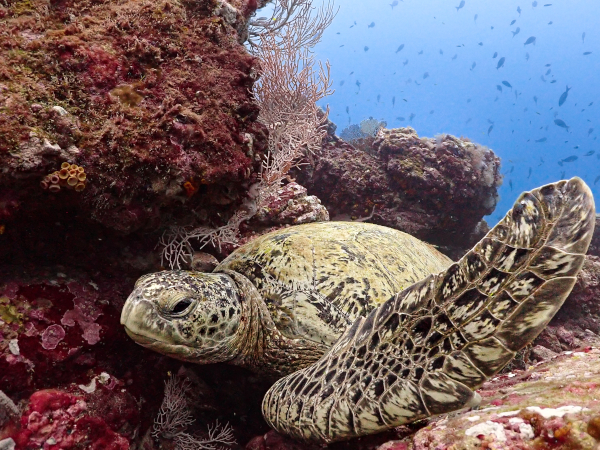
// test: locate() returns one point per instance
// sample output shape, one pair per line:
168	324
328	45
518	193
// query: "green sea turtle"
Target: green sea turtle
366	327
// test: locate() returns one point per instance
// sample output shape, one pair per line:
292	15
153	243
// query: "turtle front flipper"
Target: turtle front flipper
426	349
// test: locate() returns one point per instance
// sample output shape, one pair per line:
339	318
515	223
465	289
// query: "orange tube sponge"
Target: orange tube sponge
69	175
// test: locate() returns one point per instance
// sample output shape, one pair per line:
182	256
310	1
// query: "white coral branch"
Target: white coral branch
175	416
218	437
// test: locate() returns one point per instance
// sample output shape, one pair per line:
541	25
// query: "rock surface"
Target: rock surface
435	189
555	404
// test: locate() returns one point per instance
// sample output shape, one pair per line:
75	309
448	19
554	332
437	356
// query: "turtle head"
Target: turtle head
190	316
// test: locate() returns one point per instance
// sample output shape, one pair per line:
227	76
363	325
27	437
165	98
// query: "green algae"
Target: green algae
9	313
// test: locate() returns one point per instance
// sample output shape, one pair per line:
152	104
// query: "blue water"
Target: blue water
458	99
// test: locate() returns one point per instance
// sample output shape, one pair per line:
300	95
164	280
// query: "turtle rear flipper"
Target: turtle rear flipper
424	350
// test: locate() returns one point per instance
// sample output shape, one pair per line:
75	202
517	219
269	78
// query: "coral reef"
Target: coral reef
290	205
60	419
148	98
436	189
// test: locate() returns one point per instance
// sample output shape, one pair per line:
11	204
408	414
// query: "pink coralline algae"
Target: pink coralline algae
52	336
55	327
57	419
84	314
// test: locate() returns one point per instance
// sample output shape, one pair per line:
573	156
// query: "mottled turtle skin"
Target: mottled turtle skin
367	327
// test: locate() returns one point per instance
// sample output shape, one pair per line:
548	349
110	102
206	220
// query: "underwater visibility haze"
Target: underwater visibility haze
520	77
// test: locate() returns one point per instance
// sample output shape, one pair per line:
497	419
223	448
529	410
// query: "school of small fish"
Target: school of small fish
502	86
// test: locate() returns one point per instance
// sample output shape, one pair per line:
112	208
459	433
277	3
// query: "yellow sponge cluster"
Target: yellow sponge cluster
69	176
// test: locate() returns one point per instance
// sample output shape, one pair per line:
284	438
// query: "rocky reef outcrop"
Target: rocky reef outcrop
437	189
151	99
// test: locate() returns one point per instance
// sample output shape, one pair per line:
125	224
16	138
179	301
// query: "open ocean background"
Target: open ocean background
452	86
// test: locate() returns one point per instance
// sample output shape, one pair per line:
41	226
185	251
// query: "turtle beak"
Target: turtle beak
138	338
142	321
126	312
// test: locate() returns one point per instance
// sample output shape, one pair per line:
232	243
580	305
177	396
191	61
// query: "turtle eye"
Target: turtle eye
181	307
